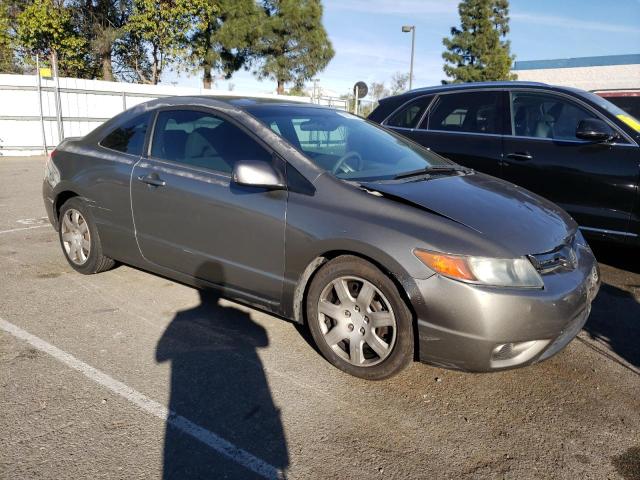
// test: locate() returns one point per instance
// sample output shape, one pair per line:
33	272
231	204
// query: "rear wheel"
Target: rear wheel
80	240
358	319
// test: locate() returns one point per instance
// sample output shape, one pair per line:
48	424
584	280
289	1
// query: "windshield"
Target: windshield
347	145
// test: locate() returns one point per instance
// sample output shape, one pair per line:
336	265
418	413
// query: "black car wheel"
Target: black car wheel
80	240
358	319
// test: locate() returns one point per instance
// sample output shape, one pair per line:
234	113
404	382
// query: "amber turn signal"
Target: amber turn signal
449	265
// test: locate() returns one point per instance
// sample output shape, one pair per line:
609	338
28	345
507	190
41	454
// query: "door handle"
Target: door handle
522	156
153	180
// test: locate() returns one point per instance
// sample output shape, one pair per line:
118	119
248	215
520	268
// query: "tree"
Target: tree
377	90
294	45
399	83
47	28
157	27
223	37
102	22
8	61
477	50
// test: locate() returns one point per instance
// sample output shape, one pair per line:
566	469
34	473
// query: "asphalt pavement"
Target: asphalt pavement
126	374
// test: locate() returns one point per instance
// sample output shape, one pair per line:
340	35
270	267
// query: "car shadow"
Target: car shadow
615	317
615	321
219	385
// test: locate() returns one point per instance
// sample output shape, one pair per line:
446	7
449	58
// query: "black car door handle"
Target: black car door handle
152	180
522	156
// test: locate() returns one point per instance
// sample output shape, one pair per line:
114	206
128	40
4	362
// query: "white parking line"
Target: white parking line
150	406
23	228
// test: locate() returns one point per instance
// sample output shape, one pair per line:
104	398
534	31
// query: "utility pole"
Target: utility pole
412	29
355	108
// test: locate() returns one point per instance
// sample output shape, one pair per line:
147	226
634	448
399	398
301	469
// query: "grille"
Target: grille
561	258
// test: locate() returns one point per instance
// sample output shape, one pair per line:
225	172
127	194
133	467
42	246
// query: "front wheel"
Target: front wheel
80	240
358	319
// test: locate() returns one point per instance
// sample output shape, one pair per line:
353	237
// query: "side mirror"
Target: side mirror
595	130
253	173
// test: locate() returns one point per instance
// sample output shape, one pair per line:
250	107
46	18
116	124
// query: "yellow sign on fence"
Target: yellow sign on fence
45	72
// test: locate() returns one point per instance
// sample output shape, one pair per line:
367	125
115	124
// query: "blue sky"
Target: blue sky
369	44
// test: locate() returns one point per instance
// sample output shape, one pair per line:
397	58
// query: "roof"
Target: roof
601	61
241	101
465	86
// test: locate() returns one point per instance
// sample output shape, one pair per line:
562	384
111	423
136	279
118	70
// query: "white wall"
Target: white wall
85	105
586	78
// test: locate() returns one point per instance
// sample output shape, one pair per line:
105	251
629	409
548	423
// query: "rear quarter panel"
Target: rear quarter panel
101	177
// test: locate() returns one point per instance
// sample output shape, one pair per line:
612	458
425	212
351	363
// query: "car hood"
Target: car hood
518	220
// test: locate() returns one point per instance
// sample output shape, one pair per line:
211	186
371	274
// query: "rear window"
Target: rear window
129	136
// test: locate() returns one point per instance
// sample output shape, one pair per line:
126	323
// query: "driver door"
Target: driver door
191	218
594	182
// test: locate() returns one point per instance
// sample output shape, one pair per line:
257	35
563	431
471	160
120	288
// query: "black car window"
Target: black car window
473	112
128	137
409	115
201	139
542	115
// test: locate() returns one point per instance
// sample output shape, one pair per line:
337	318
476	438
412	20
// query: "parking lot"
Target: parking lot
129	375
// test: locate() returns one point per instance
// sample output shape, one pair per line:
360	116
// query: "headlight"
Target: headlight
497	272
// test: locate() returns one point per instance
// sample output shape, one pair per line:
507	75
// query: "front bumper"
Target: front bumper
475	328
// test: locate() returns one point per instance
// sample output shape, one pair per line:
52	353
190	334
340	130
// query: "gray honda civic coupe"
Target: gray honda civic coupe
386	251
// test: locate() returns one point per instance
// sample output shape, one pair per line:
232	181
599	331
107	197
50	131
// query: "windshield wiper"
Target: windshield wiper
428	170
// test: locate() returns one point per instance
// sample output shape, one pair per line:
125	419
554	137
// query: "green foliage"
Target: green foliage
47	27
294	44
8	60
223	37
136	40
102	23
160	26
297	91
477	50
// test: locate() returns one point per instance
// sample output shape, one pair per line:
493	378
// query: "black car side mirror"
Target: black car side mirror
254	173
595	130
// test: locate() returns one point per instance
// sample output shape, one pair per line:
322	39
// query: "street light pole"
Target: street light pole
412	29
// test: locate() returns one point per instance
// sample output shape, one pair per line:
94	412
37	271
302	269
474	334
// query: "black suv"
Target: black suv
568	145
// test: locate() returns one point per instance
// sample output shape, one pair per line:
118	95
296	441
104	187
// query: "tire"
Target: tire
79	232
349	330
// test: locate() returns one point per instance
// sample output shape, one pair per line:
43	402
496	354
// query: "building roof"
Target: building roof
601	61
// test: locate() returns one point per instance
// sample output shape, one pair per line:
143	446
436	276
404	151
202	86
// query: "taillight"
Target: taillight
51	172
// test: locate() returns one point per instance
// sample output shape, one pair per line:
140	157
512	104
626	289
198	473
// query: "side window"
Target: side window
274	126
473	112
541	115
128	137
200	139
409	115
